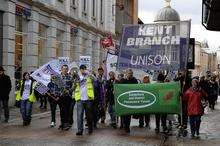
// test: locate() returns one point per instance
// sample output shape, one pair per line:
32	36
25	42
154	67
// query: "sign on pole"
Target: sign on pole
159	46
63	61
191	54
85	60
111	63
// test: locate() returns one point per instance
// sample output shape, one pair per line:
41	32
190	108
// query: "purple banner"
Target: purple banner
159	46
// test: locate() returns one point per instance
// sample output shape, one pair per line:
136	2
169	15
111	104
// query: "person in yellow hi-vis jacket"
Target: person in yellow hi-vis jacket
84	96
27	97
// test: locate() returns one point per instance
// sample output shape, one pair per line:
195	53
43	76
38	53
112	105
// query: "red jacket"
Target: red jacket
194	98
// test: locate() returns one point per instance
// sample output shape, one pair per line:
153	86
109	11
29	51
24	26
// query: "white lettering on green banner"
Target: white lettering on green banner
147	98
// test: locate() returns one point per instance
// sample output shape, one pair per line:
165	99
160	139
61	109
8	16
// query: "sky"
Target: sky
187	9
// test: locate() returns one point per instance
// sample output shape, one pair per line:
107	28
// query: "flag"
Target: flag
107	42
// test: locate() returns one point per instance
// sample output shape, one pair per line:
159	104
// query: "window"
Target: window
20	45
113	10
101	9
84	5
93	7
42	40
73	2
84	46
59	44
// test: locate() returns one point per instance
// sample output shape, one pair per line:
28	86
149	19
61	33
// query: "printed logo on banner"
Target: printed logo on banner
41	88
136	99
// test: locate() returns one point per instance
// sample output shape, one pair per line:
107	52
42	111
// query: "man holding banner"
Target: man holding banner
65	100
126	120
160	117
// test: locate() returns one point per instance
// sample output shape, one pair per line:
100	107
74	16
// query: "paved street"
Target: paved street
39	133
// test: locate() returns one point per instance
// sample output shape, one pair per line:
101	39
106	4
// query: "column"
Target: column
88	50
66	41
9	45
78	43
31	58
67	6
51	40
79	9
96	52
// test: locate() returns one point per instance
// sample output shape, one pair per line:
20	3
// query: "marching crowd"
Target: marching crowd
93	96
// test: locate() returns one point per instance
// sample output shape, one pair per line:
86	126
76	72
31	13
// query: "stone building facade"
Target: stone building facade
126	13
204	60
34	32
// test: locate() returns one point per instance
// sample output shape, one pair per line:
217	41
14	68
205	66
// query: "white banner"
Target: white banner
111	63
43	73
85	60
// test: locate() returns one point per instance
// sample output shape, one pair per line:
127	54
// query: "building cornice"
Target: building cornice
62	16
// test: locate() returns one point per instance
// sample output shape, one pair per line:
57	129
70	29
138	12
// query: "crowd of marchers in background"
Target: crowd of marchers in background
93	96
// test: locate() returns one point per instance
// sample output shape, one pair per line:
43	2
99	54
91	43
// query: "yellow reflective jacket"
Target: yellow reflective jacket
90	90
32	97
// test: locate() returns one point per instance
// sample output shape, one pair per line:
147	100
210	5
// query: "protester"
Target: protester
185	83
75	77
146	117
100	87
195	109
110	98
65	101
212	92
84	96
120	79
27	97
53	94
126	120
95	105
203	83
5	88
161	117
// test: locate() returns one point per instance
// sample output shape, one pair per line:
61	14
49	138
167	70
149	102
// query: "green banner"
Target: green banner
147	98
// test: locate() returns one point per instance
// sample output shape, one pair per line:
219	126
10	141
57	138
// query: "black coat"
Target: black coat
110	91
5	87
132	80
212	89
